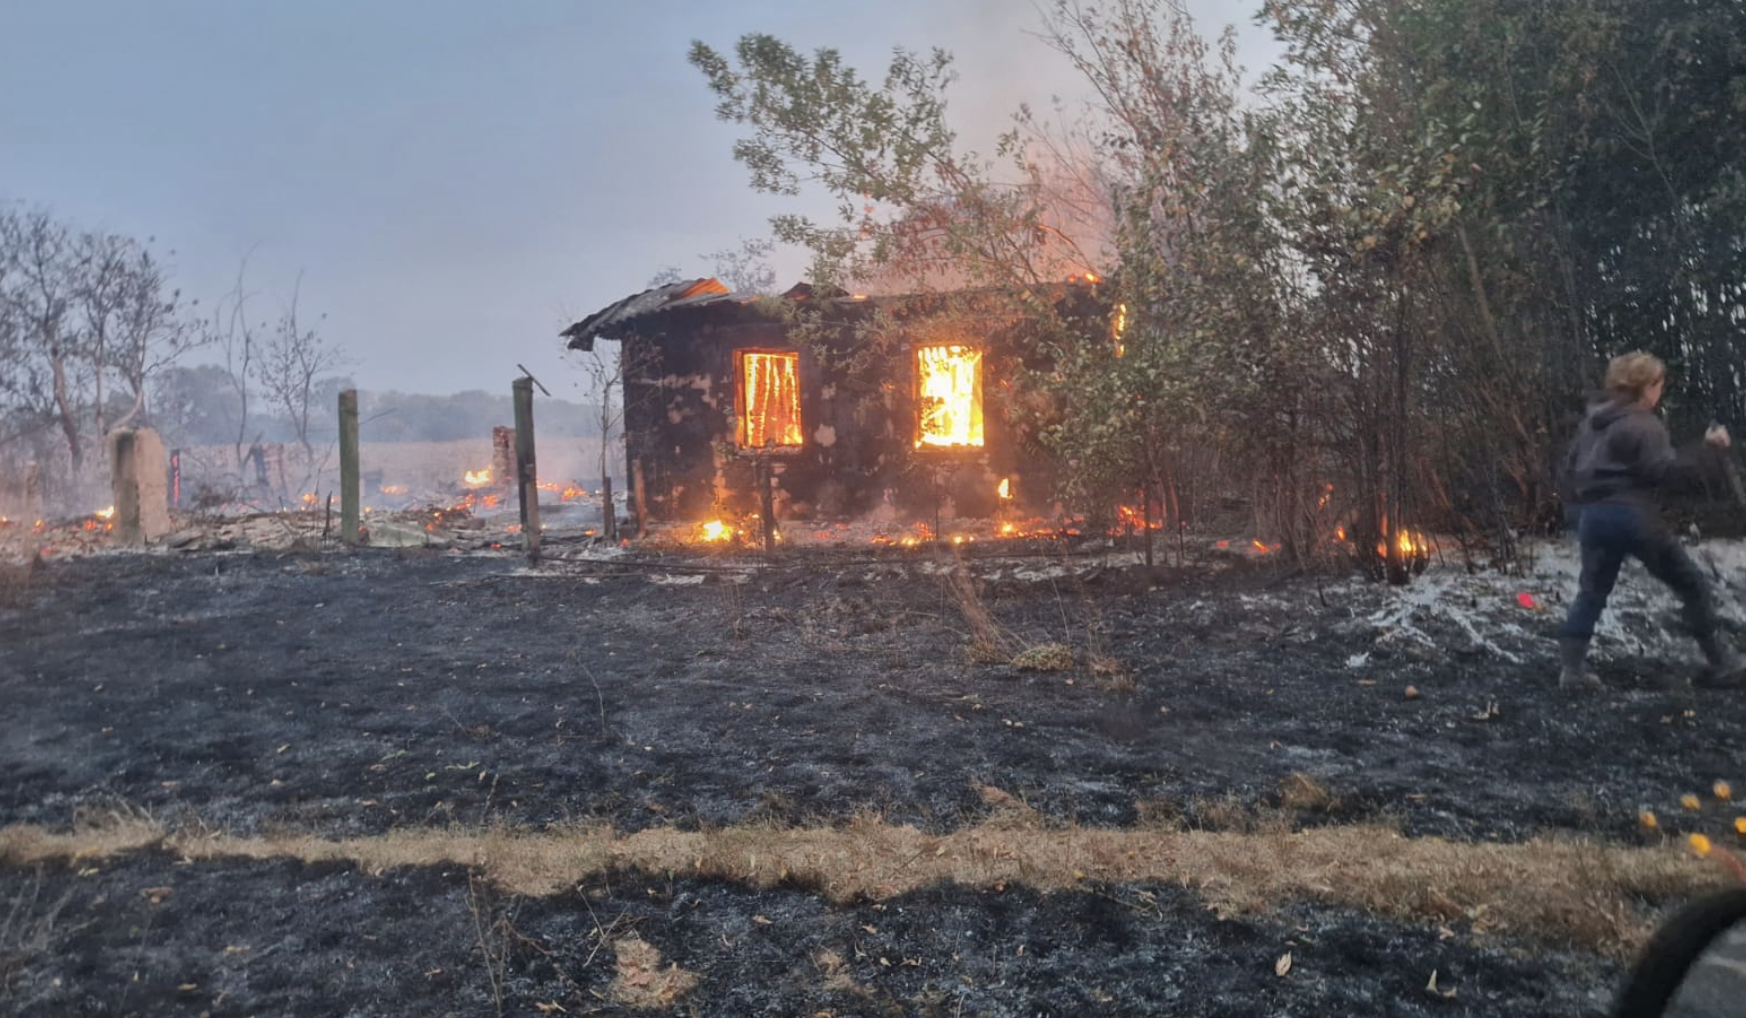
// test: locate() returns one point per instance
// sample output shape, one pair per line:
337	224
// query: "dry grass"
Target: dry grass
834	972
30	924
641	982
989	643
1302	792
1560	890
1044	657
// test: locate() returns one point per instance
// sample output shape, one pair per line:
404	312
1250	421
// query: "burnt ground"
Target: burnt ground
354	695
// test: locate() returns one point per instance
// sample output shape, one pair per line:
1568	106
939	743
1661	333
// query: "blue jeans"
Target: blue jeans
1609	534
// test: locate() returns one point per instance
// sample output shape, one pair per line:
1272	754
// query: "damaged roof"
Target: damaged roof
615	319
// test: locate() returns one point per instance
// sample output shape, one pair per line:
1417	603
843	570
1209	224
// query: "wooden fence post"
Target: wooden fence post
528	483
348	458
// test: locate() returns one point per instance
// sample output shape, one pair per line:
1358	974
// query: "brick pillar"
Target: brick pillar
503	462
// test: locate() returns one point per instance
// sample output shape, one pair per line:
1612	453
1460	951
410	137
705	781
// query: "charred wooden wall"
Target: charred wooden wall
859	453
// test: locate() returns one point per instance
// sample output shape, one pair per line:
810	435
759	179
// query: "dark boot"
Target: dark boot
1572	653
1723	668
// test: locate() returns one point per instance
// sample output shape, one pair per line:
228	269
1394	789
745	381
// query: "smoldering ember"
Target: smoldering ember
1133	570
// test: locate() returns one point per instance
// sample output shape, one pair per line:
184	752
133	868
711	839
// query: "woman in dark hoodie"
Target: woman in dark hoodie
1620	457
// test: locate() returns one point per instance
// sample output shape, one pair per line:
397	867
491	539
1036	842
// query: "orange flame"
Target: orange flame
949	396
770	399
477	478
715	530
1409	544
1005	488
105	514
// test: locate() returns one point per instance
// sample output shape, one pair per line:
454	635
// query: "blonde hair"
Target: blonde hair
1628	375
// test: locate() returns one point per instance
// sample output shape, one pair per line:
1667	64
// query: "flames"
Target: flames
714	530
1129	518
1411	545
770	399
949	396
484	479
565	492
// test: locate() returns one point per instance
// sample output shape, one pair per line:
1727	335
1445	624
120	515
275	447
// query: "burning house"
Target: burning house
831	406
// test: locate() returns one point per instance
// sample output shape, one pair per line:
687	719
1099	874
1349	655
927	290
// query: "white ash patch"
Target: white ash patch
1513	617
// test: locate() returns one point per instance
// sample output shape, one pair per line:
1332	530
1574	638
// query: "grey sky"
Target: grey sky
455	180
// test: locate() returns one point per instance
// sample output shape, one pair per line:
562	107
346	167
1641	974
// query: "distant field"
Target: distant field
420	466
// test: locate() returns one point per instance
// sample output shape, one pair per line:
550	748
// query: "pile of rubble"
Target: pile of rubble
451	528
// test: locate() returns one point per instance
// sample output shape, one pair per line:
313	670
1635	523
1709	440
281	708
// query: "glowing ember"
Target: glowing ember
393	489
769	399
949	396
1260	547
477	478
1409	544
1135	519
309	498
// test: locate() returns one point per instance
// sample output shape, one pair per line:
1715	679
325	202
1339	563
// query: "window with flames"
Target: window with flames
948	396
769	399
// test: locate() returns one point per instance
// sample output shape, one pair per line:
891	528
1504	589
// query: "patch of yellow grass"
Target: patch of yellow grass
1044	657
641	982
1557	889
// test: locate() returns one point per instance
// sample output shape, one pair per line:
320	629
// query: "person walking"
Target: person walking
1620	457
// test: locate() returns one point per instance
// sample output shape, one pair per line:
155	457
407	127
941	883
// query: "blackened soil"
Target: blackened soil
285	938
353	695
349	695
